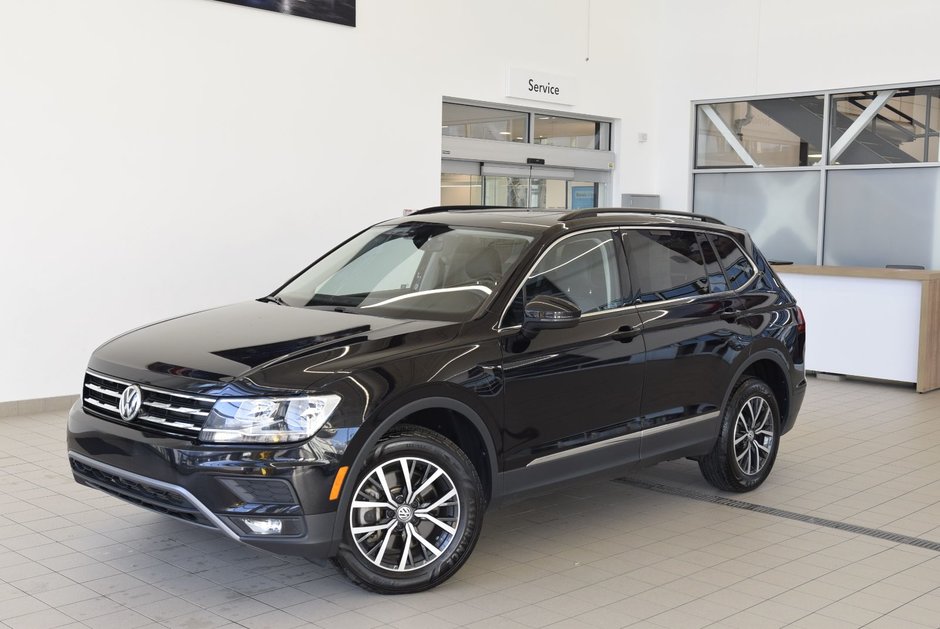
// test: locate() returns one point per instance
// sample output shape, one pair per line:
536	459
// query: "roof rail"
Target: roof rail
631	210
458	208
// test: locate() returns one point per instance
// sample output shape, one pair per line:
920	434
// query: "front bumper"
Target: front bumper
213	486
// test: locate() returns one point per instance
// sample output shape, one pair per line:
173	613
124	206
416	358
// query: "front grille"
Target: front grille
139	492
176	412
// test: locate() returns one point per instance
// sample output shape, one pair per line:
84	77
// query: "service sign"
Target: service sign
541	86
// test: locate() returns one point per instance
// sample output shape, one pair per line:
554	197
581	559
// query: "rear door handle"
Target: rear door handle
625	334
730	315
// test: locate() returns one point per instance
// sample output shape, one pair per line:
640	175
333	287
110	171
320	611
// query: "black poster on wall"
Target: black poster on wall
338	11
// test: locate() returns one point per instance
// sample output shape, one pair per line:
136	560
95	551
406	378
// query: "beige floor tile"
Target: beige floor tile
597	554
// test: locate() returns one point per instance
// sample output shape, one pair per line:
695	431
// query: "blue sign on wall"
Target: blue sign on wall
582	197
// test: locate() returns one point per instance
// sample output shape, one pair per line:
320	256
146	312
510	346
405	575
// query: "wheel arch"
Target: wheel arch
770	366
453	419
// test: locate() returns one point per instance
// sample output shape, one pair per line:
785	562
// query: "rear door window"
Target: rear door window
666	264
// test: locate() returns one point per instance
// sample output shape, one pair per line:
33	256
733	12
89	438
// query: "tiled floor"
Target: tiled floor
600	554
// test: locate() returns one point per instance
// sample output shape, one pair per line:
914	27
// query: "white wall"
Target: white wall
162	156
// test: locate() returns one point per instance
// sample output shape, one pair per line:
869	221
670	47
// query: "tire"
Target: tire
414	516
746	448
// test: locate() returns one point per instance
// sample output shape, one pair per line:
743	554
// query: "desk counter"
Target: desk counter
870	322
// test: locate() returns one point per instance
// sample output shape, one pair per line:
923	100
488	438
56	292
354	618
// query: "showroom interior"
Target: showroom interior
160	157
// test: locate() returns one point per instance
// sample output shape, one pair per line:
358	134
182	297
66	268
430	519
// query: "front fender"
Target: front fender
376	428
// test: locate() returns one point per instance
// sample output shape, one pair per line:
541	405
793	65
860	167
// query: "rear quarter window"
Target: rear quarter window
717	282
737	266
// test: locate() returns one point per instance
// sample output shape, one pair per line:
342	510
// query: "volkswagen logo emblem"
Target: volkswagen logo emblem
129	404
404	514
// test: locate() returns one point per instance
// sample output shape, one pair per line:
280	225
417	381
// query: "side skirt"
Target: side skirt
690	437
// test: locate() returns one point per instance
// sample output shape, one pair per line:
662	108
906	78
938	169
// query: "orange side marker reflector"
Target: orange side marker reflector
338	482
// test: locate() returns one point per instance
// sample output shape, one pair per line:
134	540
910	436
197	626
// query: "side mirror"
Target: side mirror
546	312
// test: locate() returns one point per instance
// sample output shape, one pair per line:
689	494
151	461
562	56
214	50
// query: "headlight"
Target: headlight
267	420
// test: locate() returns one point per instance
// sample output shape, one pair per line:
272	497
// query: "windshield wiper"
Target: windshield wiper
274	299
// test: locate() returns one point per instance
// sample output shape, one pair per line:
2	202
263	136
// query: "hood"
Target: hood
238	349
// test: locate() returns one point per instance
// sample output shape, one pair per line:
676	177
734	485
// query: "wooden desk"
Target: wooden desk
870	322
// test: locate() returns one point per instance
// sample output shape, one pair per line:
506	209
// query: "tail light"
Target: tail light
800	321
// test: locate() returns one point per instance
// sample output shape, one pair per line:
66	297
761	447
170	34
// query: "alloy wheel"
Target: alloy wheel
753	435
404	514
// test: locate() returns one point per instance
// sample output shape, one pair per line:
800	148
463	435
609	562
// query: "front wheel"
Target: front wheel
415	515
747	443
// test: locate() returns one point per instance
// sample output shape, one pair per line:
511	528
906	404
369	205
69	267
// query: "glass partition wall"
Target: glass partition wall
838	178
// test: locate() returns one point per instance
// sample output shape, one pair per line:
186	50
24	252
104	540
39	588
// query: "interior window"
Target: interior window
737	267
666	264
581	268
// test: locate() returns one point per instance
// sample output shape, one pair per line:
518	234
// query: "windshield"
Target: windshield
411	270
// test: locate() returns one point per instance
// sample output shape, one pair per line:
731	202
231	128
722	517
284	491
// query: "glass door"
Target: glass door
511	185
538	192
506	190
461	189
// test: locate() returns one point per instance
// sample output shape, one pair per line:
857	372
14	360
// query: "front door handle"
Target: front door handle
625	334
730	315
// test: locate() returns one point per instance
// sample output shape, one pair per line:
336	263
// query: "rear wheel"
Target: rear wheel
747	444
415	514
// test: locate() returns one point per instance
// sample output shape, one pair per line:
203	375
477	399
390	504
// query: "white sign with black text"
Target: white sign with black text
549	88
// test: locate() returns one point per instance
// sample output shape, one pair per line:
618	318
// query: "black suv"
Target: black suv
373	406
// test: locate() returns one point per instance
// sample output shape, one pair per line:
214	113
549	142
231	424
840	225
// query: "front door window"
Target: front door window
581	268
